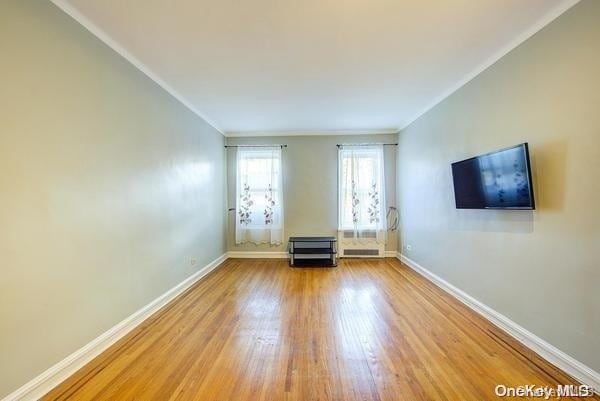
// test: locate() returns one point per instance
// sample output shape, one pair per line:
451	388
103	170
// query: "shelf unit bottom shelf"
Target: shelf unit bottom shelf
313	262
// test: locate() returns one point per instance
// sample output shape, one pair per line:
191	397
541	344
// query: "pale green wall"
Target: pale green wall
542	268
109	186
310	184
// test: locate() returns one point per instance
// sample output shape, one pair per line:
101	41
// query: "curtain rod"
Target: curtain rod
256	146
364	144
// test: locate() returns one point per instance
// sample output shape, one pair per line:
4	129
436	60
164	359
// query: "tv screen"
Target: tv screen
497	180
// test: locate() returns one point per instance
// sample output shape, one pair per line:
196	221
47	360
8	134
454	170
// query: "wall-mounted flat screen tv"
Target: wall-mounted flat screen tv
496	180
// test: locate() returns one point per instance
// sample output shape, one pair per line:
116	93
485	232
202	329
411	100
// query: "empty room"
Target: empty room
310	200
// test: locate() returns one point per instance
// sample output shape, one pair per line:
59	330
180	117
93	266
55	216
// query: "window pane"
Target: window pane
360	171
259	172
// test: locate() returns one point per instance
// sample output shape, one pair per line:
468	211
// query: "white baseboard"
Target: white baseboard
277	255
257	255
52	377
566	363
42	384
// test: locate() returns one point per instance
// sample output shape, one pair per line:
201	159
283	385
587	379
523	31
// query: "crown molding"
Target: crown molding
513	44
66	7
242	134
72	12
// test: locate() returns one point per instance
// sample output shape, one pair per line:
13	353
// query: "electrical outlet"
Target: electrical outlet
193	261
408	247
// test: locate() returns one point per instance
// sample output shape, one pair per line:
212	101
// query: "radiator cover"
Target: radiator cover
365	248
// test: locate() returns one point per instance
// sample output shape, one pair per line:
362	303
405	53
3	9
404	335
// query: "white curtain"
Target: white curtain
362	210
259	200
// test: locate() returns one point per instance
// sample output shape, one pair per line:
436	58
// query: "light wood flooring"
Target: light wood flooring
259	330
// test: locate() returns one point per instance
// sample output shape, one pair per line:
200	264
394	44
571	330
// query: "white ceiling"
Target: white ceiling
303	66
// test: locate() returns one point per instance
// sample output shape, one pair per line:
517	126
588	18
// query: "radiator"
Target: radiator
368	247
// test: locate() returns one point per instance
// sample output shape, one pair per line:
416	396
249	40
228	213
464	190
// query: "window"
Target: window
259	201
361	192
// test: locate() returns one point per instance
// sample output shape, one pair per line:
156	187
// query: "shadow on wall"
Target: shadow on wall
548	166
504	221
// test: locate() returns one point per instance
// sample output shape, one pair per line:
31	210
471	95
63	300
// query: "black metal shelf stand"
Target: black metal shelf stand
313	251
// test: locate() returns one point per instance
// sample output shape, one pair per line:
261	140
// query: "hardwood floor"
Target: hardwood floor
259	330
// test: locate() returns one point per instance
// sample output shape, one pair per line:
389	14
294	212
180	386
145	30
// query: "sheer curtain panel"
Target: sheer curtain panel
259	200
362	211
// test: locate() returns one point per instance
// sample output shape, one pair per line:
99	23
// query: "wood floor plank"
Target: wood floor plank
259	330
